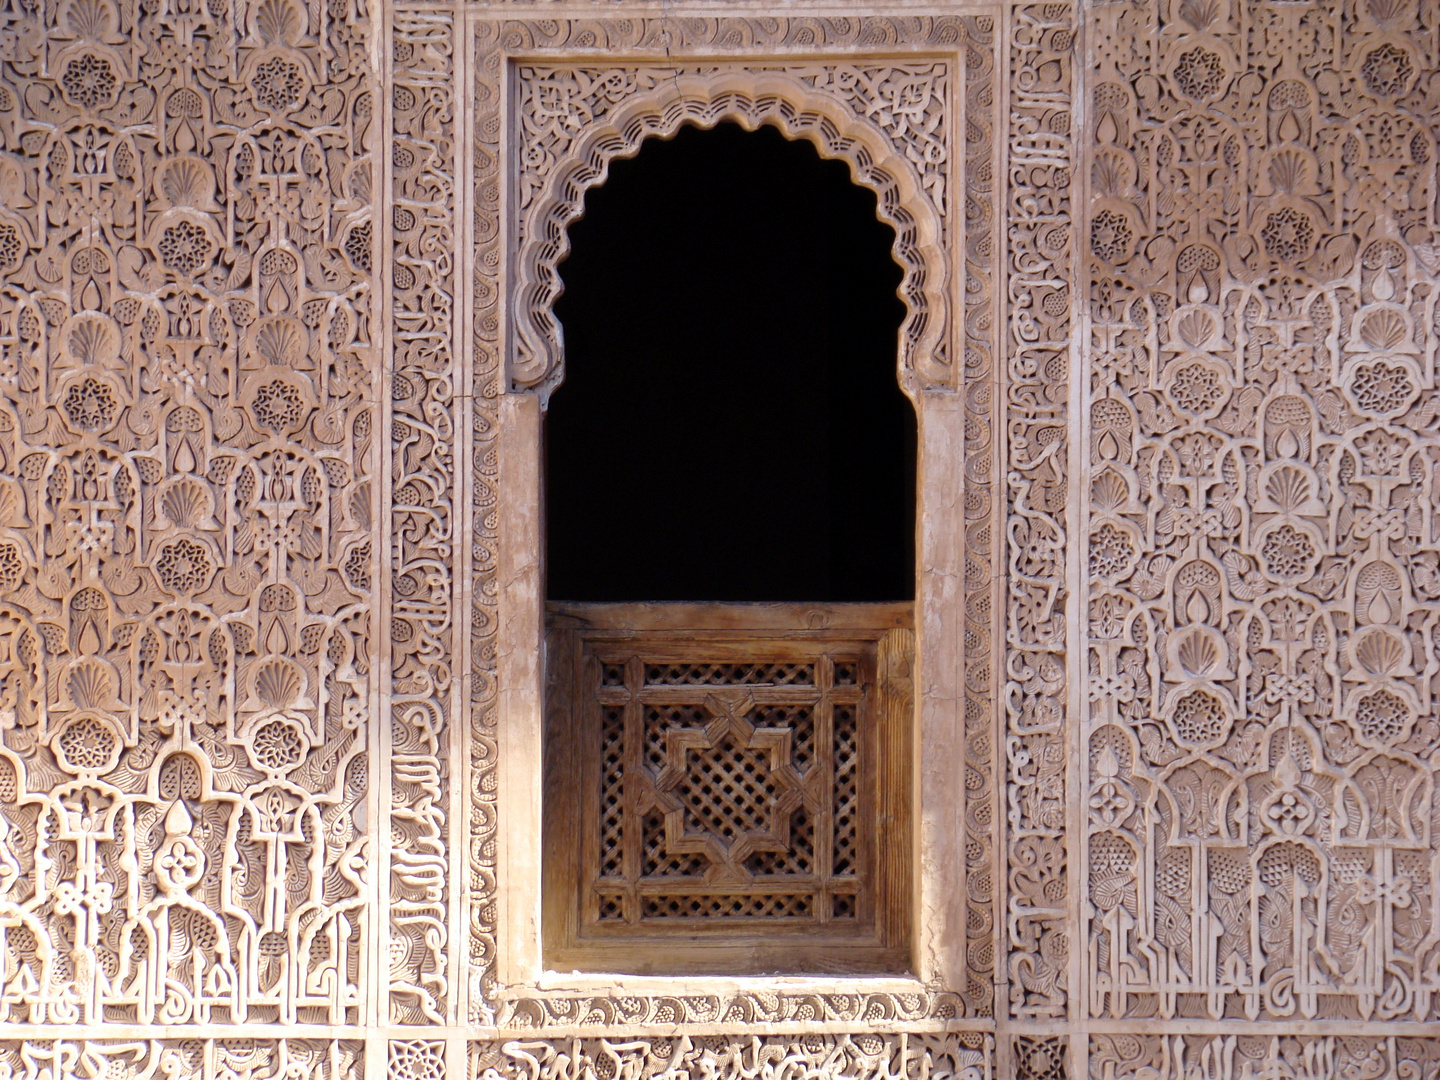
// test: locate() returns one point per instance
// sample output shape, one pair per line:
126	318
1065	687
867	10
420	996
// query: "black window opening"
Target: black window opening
730	427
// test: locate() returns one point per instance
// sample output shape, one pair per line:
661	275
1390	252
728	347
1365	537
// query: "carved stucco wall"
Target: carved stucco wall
264	299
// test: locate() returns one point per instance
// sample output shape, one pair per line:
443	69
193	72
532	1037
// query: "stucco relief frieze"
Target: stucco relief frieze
1209	1057
1260	486
187	476
871	1054
183	1059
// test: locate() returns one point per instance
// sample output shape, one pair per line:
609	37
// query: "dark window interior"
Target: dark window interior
730	427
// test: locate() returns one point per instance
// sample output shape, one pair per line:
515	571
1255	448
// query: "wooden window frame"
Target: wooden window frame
858	920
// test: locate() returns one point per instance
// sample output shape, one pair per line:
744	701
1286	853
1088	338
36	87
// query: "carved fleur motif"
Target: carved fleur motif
1295	420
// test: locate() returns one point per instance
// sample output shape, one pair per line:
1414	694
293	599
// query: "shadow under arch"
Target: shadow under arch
731	321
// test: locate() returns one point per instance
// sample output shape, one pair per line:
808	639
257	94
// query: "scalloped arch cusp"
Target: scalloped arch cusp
750	99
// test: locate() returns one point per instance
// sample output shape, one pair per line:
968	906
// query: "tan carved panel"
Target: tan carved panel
187	474
1261	486
184	1059
422	693
1037	423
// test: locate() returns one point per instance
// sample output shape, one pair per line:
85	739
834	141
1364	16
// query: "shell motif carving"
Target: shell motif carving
1262	740
186	472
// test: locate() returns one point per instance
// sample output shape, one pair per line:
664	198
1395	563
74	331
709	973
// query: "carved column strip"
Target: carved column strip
485	382
422	395
984	554
377	1004
1036	388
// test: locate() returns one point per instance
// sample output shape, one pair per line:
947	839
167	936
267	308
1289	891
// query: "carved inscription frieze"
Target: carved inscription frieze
1212	1057
1262	478
1037	426
863	1056
187	404
183	1059
921	1011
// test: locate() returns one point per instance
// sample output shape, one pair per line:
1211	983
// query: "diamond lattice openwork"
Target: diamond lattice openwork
724	784
727	791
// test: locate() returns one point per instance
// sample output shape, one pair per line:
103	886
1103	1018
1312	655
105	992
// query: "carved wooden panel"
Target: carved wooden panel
731	794
1261	490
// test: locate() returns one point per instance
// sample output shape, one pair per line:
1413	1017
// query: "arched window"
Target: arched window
730	515
730	427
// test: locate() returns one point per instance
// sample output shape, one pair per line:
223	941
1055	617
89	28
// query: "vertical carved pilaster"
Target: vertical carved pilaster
422	391
983	600
1037	422
486	387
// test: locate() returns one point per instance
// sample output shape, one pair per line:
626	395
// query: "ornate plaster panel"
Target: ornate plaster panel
188	476
1259	484
261	321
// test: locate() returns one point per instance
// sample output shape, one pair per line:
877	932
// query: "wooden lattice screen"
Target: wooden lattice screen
726	788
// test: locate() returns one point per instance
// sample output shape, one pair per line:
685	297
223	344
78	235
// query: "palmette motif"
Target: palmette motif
186	477
1263	606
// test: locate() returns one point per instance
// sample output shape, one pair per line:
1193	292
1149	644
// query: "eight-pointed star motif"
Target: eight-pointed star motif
730	787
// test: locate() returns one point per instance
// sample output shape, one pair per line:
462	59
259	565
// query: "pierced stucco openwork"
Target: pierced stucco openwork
275	333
